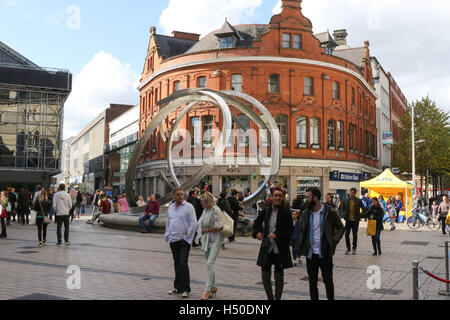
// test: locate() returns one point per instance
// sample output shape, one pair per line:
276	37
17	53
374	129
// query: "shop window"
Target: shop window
302	132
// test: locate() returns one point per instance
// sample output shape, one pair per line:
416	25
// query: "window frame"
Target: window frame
284	42
299	143
331	136
233	82
340	135
336	90
198	81
313	127
175	83
311	86
299	42
279	125
226	40
277	88
193	132
205	127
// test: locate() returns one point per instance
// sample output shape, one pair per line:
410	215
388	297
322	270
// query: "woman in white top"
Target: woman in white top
210	228
141	202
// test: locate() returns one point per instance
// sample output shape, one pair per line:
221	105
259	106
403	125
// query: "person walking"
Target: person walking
62	204
151	213
23	202
376	213
193	199
434	208
295	241
235	207
392	212
321	230
352	215
210	228
443	212
274	227
329	201
181	223
224	205
12	198
398	206
83	204
42	208
50	200
95	202
3	213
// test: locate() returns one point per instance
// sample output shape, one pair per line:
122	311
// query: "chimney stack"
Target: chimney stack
186	35
340	37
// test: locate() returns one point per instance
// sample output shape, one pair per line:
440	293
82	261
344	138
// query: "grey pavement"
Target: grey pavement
125	265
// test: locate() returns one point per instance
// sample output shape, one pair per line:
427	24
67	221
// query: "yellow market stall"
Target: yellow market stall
387	184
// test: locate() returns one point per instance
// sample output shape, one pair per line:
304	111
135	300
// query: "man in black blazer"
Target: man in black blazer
274	227
352	211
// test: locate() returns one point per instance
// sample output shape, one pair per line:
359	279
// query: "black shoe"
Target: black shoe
375	254
195	245
379	253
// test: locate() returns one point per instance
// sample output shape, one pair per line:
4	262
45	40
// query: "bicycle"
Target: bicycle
422	218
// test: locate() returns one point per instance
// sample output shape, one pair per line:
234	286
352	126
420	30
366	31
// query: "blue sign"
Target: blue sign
349	177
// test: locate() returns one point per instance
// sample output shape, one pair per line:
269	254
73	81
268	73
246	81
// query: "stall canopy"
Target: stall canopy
387	184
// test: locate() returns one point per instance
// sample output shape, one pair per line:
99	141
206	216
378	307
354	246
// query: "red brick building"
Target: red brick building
324	104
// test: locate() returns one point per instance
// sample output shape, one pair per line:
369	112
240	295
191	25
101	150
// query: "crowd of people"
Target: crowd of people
307	227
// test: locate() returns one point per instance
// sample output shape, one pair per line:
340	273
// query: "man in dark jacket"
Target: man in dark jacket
23	203
235	207
351	212
274	227
195	201
321	230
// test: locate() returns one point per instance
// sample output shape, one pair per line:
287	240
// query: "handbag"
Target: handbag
47	220
228	225
371	228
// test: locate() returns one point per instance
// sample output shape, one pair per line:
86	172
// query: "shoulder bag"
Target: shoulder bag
228	225
47	220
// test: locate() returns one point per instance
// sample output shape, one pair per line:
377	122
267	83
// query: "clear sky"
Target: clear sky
103	43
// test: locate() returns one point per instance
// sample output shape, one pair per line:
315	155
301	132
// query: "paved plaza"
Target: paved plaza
125	265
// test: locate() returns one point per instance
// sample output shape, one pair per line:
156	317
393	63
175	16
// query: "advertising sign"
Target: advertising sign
388	138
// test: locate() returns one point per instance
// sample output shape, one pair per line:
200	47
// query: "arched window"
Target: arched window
331	135
314	134
340	135
282	123
302	132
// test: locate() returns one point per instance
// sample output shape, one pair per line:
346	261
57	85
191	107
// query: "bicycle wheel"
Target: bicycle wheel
434	224
413	223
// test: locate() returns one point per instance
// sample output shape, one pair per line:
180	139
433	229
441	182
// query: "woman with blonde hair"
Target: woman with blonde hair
141	202
42	207
210	228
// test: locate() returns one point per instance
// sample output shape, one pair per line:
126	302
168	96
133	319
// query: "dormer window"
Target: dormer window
226	42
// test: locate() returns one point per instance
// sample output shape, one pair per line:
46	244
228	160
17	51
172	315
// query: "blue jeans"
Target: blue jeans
50	212
144	218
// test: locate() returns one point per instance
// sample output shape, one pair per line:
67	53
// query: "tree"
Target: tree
432	125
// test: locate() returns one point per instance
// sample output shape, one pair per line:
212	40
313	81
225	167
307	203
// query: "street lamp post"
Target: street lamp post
414	149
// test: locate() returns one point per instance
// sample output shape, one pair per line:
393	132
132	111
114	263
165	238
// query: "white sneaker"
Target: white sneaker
173	292
185	295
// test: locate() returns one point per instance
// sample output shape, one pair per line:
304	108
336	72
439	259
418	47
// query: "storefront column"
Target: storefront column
292	187
325	183
216	185
253	184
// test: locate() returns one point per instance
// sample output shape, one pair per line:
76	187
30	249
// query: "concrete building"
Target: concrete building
64	175
323	102
31	120
87	151
385	141
123	135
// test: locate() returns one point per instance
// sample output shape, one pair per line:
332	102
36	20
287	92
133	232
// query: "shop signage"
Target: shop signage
349	177
388	138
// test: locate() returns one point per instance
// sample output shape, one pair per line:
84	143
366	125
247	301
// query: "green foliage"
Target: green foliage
432	125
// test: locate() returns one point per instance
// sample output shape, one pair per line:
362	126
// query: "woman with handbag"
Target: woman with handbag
3	213
42	207
210	226
375	215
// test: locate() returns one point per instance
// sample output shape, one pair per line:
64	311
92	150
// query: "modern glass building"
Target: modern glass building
31	118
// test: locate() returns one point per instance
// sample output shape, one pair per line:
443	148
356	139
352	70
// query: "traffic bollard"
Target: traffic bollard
447	291
415	265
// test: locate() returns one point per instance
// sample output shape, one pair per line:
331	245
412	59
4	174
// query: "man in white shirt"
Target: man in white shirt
181	224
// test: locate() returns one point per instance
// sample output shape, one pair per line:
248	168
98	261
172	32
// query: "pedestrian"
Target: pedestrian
329	201
123	203
50	200
193	199
181	223
23	201
321	230
224	205
295	241
338	203
3	213
392	212
274	227
96	201
105	208
235	207
141	202
298	202
352	208
375	212
382	204
42	208
12	198
83	205
62	204
151	214
210	228
366	201
73	196
36	194
243	217
443	211
398	205
434	208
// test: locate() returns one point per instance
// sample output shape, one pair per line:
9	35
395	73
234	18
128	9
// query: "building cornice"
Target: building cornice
259	59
